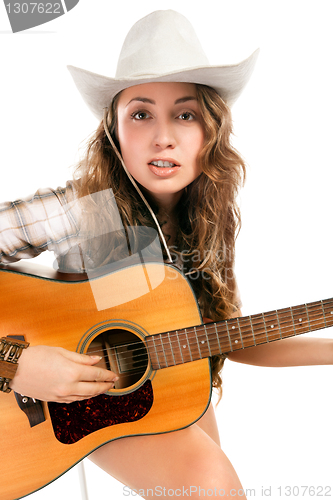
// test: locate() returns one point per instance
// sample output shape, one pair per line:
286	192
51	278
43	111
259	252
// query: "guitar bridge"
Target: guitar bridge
32	408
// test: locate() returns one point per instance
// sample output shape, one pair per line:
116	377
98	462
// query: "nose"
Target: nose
164	137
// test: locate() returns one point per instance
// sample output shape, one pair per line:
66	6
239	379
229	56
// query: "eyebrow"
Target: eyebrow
150	101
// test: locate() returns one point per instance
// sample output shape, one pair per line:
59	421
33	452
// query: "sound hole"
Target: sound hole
123	353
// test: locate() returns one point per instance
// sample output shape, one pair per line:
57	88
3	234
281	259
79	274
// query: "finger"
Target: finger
97	374
86	390
83	359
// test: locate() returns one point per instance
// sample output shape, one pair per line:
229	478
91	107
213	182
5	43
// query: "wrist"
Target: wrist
10	351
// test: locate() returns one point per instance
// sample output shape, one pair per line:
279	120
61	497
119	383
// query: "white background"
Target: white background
275	424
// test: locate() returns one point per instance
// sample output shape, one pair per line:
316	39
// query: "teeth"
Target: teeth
160	163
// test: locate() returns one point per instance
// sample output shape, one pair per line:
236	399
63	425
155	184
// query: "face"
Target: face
160	133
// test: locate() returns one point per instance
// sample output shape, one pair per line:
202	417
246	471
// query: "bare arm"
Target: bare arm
294	351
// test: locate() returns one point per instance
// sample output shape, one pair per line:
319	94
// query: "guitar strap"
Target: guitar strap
31	407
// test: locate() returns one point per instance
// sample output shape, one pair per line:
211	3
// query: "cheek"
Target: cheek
128	141
195	143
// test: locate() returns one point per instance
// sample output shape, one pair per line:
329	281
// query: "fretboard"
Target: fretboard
198	342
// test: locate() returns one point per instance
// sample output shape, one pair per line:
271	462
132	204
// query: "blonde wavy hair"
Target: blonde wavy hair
208	215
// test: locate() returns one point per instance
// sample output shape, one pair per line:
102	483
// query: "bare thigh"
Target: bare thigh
188	462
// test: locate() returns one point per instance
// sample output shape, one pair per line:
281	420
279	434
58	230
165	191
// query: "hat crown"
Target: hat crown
162	42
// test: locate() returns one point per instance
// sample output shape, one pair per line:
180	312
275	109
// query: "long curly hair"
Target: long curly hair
208	215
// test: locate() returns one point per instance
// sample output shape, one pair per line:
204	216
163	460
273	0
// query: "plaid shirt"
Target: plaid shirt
37	223
50	220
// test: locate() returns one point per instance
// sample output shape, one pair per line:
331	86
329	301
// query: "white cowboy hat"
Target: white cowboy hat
162	47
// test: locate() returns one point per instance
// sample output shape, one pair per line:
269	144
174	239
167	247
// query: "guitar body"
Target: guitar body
137	302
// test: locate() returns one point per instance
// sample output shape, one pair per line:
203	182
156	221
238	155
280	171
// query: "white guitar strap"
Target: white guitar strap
135	185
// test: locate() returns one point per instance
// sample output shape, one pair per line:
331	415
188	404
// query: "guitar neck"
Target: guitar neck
198	342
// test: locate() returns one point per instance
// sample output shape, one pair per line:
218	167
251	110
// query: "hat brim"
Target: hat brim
229	81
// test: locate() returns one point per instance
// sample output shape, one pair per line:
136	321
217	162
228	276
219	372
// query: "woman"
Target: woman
169	118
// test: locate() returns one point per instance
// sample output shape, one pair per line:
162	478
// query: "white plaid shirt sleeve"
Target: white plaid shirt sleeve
40	222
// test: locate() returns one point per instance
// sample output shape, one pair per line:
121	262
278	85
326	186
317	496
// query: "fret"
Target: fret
254	337
184	346
315	315
180	348
173	356
218	339
254	330
167	349
258	326
273	331
175	350
189	345
300	319
155	353
286	323
307	315
163	351
292	319
231	349
234	333
196	336
240	333
263	318
156	344
217	342
193	343
322	307
244	328
202	342
328	311
278	323
208	343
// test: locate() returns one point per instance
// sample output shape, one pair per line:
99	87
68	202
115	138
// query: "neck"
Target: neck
166	202
206	340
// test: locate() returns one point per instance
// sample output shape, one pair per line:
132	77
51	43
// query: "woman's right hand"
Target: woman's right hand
55	374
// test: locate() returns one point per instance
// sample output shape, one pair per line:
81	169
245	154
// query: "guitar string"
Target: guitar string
278	315
171	362
248	333
203	328
169	356
214	342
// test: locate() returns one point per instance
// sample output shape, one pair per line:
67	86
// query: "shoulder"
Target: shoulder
61	194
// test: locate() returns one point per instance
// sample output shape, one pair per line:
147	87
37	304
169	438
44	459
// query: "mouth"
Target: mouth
163	164
163	168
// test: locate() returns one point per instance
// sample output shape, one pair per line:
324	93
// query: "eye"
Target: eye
140	115
186	116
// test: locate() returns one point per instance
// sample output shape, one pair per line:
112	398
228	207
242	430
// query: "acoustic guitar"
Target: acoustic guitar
145	322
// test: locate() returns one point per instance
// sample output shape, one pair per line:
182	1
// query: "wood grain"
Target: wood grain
59	313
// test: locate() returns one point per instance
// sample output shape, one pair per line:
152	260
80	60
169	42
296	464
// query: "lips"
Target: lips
163	168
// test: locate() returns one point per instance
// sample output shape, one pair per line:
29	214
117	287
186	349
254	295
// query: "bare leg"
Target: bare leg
184	460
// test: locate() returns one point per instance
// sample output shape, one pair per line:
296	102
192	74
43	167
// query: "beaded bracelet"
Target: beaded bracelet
10	351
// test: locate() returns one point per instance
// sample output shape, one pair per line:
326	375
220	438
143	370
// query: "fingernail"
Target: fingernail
115	379
96	357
